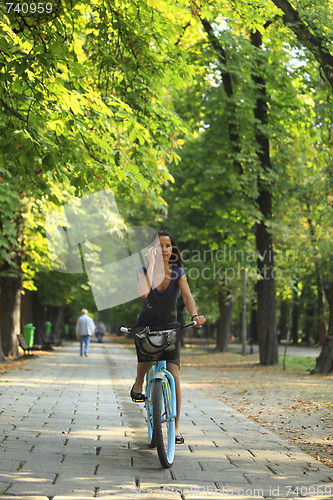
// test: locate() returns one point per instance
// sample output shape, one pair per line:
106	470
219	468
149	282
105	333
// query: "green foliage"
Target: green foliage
10	206
114	93
60	289
215	205
81	93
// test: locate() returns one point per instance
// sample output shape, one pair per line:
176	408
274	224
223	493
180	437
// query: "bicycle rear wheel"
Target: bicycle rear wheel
164	424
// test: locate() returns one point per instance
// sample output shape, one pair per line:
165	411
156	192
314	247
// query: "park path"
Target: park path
68	429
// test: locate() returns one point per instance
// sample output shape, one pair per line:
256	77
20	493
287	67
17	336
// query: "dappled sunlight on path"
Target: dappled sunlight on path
69	428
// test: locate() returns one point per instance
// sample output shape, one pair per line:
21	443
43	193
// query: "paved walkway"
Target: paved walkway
68	429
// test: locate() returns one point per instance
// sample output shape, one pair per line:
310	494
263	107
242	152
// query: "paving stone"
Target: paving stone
10	465
223	464
38	464
25	497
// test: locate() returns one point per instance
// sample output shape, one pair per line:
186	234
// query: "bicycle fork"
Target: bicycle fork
171	389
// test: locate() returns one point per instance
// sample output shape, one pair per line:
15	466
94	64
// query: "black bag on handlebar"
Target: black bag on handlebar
156	345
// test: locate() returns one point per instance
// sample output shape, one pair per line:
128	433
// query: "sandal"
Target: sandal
137	397
179	439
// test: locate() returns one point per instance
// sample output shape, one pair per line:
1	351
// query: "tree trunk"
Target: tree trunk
58	324
2	356
321	326
320	331
266	318
229	91
39	317
26	309
266	286
266	315
223	323
324	362
55	315
253	330
308	327
284	320
294	318
10	314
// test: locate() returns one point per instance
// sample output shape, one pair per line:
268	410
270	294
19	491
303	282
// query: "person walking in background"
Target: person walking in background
99	331
84	330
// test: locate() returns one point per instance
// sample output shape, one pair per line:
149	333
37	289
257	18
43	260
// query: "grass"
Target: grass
298	363
193	356
198	355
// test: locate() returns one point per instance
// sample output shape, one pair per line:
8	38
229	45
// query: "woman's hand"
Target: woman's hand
151	255
200	320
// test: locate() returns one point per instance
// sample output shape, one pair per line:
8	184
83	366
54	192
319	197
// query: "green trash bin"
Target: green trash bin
48	326
29	333
66	330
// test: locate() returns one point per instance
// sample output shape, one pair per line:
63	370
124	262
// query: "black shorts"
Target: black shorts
175	361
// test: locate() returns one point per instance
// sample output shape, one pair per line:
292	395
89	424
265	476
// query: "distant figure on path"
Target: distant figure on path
99	331
84	330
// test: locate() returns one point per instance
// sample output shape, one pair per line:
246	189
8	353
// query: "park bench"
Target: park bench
25	347
48	341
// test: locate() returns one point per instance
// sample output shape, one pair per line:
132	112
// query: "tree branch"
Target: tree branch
184	29
317	45
228	88
13	111
226	78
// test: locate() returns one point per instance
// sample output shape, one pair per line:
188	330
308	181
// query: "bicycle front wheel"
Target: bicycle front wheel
164	424
151	436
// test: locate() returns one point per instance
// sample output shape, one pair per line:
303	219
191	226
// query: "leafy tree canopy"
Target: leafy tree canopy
82	97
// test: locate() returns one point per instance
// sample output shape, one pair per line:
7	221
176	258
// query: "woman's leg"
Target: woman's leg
141	371
174	370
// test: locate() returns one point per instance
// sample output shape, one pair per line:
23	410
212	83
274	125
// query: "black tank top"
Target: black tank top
160	307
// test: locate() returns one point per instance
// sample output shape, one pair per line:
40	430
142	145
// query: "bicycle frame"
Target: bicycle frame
161	407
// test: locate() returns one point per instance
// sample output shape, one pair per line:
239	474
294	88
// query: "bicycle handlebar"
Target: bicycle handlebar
192	323
124	329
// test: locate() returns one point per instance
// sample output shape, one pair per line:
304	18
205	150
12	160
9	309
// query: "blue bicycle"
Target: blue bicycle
160	399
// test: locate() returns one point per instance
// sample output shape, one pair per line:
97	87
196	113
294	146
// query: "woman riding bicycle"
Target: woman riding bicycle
158	285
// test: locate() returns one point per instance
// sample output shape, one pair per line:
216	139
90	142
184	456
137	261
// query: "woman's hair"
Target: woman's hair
176	257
